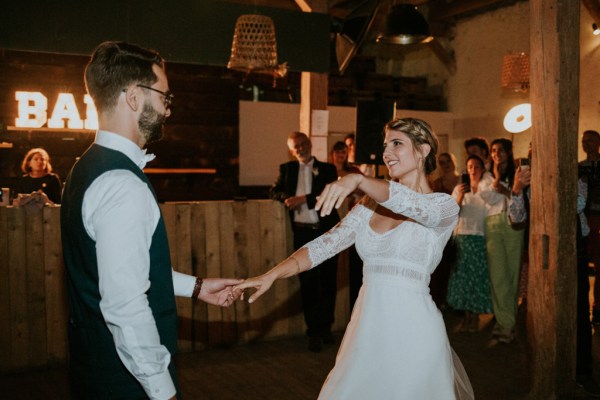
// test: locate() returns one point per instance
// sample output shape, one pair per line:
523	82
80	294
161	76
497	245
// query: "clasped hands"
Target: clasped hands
332	196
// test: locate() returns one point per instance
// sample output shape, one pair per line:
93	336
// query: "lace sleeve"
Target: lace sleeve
433	210
339	238
516	209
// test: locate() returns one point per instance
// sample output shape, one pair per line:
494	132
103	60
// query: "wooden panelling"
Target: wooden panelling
17	276
5	295
55	287
209	239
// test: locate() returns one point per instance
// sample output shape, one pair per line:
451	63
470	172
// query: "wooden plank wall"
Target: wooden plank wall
212	239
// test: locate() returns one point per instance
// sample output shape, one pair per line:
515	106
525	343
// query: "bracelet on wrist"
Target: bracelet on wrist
197	288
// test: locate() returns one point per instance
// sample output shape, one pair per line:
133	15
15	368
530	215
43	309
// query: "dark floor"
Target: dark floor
285	370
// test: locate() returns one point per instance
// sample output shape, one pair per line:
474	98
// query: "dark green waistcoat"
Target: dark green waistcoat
95	368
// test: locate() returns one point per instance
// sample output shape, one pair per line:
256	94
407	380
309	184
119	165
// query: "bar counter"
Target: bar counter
208	239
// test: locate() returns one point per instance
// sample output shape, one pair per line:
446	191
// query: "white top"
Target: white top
496	202
473	210
123	257
423	237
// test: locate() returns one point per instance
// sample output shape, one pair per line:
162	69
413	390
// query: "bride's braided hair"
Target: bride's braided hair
419	133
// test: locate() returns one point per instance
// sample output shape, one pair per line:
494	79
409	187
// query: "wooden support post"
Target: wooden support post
314	89
552	269
314	95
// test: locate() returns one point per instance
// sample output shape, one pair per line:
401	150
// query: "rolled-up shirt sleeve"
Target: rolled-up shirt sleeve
183	284
121	214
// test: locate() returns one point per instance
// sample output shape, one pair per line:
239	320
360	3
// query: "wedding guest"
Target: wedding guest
340	157
450	177
590	173
349	141
439	278
38	175
365	169
504	242
297	186
479	147
469	285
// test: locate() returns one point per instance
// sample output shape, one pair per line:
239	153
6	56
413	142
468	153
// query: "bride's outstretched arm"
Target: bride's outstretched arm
334	193
310	255
298	262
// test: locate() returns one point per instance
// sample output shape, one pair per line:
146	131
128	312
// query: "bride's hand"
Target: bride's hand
261	283
334	193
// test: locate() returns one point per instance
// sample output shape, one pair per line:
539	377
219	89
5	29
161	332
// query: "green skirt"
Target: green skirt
469	284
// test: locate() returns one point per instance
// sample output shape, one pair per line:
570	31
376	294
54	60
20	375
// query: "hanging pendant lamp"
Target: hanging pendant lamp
254	47
254	44
405	25
515	72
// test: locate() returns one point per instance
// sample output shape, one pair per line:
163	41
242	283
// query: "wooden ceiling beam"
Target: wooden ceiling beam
304	6
440	10
443	54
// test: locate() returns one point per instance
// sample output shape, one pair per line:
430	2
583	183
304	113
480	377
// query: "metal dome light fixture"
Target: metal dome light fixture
405	25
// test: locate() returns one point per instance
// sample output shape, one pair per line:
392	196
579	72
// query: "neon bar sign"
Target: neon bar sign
33	112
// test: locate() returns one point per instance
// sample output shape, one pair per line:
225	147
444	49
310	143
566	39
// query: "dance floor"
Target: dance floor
285	370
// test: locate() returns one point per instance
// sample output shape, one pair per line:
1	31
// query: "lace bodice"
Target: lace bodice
412	249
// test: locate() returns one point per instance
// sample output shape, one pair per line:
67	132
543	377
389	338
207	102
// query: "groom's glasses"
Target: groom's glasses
167	96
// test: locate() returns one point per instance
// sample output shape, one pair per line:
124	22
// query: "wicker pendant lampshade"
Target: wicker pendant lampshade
254	45
515	72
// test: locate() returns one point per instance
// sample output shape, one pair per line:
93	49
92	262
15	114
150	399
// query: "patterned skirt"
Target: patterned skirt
469	285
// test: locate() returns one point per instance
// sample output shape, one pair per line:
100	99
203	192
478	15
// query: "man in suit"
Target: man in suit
297	186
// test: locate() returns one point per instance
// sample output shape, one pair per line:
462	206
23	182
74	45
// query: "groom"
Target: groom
121	286
298	185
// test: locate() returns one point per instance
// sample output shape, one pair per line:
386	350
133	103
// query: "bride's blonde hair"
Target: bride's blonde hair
420	133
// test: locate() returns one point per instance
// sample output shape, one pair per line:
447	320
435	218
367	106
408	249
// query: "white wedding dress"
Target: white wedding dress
395	346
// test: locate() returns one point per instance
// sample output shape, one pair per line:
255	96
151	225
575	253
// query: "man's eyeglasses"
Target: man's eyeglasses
167	96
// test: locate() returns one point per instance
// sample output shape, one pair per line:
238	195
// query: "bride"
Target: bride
395	346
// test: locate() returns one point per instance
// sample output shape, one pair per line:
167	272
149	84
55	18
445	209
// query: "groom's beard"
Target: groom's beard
150	124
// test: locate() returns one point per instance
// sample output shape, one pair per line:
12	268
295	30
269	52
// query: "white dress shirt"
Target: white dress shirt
304	186
120	214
